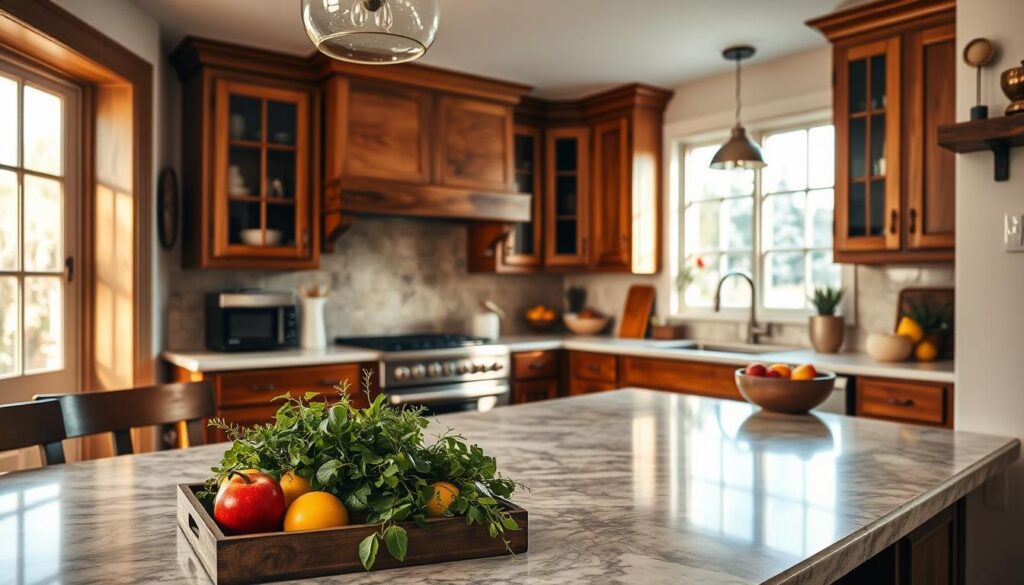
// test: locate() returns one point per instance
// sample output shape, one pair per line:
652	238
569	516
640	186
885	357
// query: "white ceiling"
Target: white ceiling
563	48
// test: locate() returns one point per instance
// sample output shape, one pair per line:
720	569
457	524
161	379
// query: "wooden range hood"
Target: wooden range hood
415	141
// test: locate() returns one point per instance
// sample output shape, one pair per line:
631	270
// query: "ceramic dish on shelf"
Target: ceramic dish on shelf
254	237
888	347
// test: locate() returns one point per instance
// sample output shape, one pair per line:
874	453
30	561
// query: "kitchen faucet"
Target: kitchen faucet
754	330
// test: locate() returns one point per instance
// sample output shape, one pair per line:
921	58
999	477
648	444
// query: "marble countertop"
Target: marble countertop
672	489
850	364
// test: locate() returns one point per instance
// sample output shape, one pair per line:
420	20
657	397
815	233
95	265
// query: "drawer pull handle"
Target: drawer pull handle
328	382
537	365
594	367
901	402
264	387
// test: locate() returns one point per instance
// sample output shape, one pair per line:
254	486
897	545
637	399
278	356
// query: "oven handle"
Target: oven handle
450	393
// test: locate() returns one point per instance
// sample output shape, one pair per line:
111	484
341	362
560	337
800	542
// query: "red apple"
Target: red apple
773	374
249	502
756	370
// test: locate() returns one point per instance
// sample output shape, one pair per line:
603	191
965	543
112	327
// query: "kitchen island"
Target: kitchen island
631	486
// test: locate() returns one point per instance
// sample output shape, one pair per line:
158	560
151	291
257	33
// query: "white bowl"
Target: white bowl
584	325
254	237
889	347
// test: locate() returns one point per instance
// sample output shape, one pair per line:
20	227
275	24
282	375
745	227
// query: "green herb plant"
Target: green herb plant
826	299
375	460
933	320
576	298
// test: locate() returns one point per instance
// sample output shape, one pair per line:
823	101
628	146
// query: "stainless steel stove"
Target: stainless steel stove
443	372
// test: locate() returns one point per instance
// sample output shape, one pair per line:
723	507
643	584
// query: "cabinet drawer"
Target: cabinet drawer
904	401
713	380
259	387
579	386
528	365
596	367
534	390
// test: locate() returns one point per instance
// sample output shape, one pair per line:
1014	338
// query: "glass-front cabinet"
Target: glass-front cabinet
261	191
523	245
867	116
567	153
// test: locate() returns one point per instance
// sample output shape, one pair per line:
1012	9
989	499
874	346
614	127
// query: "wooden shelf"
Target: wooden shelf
996	134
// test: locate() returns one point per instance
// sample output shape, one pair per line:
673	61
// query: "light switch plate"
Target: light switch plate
1013	232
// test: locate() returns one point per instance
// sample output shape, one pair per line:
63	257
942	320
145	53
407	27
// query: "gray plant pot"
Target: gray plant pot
826	332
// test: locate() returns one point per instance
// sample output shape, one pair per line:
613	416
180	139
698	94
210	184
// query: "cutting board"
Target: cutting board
636	316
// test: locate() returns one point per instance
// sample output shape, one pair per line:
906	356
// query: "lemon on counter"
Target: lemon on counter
926	351
909	328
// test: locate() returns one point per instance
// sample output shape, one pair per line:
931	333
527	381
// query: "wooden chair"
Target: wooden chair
24	424
119	411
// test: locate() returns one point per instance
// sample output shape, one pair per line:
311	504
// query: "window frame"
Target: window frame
680	147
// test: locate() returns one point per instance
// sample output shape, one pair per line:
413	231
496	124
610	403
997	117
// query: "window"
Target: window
36	225
774	224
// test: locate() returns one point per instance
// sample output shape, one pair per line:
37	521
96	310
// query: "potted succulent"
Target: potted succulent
826	328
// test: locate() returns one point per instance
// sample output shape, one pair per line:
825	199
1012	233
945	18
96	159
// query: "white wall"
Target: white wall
137	31
989	310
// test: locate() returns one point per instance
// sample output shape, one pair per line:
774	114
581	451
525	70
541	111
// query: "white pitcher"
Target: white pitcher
312	327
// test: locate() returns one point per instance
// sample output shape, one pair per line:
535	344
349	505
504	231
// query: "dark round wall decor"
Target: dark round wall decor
167	209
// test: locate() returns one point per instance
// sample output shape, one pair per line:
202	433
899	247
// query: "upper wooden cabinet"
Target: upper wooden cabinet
611	221
567	197
250	166
474	144
894	73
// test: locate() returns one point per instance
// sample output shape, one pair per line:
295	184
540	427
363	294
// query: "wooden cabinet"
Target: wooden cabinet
611	218
567	194
900	400
474	144
592	372
535	375
894	85
250	169
703	379
245	397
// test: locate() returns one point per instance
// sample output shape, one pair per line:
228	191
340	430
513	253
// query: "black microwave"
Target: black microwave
250	321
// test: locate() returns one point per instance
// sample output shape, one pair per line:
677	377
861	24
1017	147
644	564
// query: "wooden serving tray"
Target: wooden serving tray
273	556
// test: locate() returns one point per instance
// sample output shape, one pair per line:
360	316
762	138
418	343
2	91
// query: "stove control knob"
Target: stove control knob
434	370
465	368
419	371
497	367
450	368
479	367
401	373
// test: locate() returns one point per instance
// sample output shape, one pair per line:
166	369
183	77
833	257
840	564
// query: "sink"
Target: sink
734	348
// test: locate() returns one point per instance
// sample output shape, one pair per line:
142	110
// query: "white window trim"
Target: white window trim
677	148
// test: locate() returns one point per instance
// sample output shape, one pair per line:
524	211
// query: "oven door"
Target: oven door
460	397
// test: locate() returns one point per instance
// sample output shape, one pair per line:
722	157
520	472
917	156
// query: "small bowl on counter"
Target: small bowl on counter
784	395
540	318
888	347
585	325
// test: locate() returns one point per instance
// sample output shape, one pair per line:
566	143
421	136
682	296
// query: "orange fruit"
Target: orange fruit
783	370
926	351
804	372
444	494
314	511
293	487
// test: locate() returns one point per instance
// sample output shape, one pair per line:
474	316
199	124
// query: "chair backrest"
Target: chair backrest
118	411
24	424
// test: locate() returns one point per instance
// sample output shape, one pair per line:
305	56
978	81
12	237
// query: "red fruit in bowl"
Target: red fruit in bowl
773	374
249	502
757	370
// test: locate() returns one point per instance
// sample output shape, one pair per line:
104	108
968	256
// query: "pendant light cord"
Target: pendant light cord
738	99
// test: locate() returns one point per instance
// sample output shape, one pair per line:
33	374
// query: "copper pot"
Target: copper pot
826	333
1012	82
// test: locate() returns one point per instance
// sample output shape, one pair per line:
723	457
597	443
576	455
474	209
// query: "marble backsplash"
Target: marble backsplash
876	296
387	276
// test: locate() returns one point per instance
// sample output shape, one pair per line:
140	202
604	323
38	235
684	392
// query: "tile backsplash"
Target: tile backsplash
386	276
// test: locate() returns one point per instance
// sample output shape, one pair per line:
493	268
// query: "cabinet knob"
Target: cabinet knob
913	220
905	402
893	220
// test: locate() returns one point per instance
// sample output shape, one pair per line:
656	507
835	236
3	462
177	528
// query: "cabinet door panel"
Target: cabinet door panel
931	170
904	401
867	117
388	133
579	386
534	390
522	247
611	196
679	376
567	190
598	367
474	147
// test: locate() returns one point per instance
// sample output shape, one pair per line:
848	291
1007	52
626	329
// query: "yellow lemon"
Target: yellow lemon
910	328
926	351
314	511
444	494
293	487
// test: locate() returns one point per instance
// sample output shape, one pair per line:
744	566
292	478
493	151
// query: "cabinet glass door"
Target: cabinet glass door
262	182
567	197
522	247
868	135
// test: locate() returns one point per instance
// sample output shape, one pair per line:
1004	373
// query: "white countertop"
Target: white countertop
849	364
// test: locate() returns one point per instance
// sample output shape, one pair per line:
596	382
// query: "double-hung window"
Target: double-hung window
774	224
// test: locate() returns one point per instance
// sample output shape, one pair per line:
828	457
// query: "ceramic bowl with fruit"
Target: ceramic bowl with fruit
785	389
586	322
540	318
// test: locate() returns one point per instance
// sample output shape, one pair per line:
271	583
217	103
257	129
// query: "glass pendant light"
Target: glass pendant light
739	152
374	32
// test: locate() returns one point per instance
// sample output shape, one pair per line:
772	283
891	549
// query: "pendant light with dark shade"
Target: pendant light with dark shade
739	152
372	32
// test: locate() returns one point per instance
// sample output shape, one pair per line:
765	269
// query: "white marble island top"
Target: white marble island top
627	487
